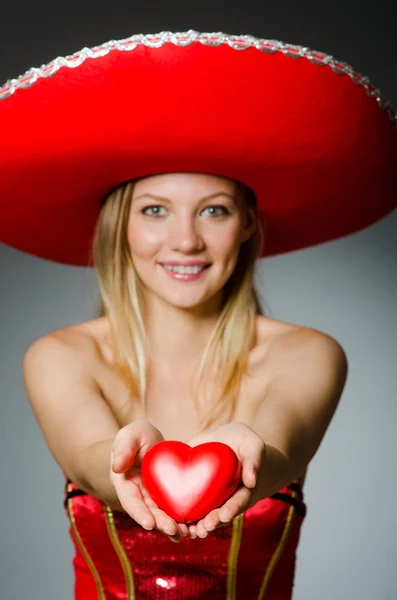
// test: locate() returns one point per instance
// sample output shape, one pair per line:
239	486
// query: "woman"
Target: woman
180	315
189	356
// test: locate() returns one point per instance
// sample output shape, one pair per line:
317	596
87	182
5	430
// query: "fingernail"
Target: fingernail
146	522
113	461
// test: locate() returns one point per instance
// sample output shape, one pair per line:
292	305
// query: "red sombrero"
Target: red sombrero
313	139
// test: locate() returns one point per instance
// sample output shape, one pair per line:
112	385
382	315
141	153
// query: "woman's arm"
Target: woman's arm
95	468
81	431
309	371
75	419
309	374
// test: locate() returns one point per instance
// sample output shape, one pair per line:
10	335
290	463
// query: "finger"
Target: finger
192	531
126	446
117	464
212	520
183	529
201	531
166	519
235	505
252	452
131	500
248	475
164	522
132	442
174	538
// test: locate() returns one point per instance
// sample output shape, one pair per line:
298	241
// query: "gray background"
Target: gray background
345	288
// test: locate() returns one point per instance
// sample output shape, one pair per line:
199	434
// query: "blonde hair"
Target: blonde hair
122	298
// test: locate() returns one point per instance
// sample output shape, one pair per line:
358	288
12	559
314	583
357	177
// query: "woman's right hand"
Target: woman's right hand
129	447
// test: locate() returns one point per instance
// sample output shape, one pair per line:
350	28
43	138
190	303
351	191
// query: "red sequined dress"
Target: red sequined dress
252	558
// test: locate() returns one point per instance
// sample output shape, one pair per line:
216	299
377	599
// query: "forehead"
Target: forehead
187	185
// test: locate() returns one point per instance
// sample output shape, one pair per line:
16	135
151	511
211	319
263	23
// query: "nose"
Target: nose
185	235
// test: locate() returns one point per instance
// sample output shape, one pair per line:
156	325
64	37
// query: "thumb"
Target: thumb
249	469
252	453
131	444
122	461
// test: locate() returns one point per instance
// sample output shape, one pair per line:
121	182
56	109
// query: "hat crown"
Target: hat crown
157	40
302	130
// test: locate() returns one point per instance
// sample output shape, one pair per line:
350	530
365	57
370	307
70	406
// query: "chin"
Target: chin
184	303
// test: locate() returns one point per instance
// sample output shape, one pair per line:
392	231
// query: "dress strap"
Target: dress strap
295	486
72	493
296	500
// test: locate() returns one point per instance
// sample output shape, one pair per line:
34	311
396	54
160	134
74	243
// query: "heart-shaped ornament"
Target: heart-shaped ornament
187	483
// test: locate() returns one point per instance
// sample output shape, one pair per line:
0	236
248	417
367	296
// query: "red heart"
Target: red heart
187	483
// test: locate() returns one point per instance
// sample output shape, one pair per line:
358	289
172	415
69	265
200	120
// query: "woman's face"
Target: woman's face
173	219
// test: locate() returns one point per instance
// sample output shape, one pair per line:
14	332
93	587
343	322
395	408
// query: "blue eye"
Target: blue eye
143	211
224	209
157	206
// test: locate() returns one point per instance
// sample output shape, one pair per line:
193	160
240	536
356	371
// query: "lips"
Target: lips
200	264
184	276
202	267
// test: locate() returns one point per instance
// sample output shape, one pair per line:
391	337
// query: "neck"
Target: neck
178	336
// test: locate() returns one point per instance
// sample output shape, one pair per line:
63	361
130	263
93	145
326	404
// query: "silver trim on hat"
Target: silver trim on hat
156	40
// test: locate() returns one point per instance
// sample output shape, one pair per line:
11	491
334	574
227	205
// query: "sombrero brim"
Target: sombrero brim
312	138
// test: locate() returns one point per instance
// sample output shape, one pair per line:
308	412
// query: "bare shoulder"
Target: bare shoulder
290	344
66	399
76	340
285	332
269	328
272	334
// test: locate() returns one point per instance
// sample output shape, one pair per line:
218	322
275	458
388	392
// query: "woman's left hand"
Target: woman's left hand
251	450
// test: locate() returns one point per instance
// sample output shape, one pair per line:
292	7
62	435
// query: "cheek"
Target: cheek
142	241
226	243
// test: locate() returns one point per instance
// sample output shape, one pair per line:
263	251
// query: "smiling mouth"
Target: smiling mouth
182	271
176	265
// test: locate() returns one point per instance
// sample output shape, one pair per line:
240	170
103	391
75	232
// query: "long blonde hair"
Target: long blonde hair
122	298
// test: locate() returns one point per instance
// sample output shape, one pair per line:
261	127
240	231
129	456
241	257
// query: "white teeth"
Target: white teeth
184	270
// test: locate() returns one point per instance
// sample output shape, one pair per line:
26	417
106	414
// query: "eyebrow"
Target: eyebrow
164	199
